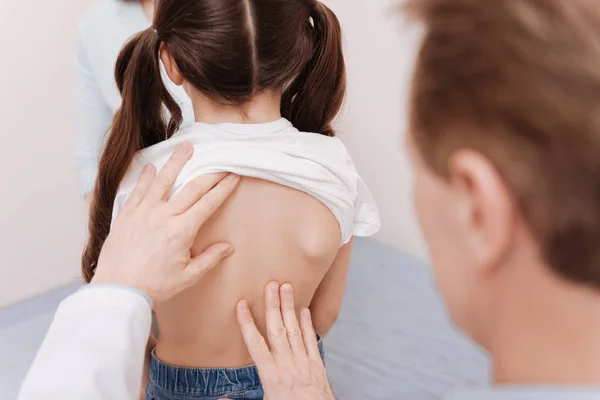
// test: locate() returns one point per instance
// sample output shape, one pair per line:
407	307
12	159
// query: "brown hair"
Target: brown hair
229	50
518	81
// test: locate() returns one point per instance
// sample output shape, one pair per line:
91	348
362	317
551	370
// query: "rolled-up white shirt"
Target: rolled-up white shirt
94	349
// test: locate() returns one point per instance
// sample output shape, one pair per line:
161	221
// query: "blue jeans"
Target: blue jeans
169	382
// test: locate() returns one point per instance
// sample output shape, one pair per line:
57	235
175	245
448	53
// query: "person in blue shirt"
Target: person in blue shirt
102	32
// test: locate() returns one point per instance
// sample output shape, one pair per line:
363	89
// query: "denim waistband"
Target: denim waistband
202	381
205	381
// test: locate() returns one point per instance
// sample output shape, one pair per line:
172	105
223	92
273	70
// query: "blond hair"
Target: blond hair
519	81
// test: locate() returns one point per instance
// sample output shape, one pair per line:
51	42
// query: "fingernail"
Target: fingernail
228	251
243	306
233	177
306	313
183	148
287	292
147	168
274	290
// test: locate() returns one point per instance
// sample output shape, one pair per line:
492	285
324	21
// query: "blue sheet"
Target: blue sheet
393	339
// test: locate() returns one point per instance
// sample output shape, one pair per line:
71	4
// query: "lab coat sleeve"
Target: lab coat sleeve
94	349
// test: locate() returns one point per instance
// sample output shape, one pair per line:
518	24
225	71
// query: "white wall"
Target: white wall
42	223
42	219
380	51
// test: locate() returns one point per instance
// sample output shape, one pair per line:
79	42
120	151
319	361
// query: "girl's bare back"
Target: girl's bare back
278	234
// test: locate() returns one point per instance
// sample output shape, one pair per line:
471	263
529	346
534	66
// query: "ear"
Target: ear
170	65
486	207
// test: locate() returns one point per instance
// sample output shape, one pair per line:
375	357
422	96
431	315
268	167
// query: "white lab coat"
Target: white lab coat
94	349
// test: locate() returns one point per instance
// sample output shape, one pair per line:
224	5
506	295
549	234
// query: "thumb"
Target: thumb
201	264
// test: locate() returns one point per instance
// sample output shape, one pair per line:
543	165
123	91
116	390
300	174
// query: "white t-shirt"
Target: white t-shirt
277	152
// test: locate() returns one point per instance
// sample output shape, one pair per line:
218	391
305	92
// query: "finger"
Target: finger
142	187
201	264
204	208
255	342
276	332
310	336
163	183
194	191
290	321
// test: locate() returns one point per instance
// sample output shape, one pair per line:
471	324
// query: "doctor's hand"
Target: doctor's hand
149	246
292	369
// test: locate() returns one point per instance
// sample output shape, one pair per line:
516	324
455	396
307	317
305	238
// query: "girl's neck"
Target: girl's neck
262	108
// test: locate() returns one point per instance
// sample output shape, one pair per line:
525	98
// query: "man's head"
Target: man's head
505	137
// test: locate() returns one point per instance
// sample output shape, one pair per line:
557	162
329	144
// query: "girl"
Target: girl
266	78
